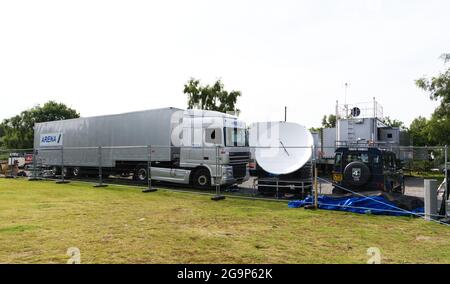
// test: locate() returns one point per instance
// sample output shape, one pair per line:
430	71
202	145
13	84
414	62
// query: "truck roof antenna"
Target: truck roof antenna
285	114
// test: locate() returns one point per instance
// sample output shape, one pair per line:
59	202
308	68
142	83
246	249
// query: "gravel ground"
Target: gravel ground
414	186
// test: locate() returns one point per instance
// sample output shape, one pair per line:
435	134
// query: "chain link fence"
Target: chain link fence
214	170
392	176
269	173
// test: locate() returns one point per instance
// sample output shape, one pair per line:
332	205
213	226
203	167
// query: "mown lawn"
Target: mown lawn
39	221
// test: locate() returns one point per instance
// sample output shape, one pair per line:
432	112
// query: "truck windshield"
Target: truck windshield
235	137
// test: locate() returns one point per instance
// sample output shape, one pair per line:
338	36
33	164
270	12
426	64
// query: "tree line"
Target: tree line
17	132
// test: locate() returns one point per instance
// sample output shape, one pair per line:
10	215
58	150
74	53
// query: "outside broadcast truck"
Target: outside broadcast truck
196	147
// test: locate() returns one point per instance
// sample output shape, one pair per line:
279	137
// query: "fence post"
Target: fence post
316	193
34	178
430	199
100	169
218	196
315	196
446	173
62	180
149	171
444	209
278	187
10	173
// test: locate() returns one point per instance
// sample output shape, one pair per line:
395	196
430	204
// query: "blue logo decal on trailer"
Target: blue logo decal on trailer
51	139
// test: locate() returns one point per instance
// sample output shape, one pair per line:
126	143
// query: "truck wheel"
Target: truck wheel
140	174
66	172
54	170
76	172
201	179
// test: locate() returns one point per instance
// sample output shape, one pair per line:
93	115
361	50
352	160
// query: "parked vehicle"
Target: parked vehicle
20	160
367	169
187	147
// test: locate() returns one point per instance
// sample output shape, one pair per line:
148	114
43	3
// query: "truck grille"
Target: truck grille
239	157
239	171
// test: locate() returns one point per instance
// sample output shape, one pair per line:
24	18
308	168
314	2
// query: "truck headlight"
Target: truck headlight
228	172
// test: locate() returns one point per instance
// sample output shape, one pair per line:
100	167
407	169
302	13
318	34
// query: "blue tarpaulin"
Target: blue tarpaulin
377	205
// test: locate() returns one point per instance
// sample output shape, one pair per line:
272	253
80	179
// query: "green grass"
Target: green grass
428	175
39	221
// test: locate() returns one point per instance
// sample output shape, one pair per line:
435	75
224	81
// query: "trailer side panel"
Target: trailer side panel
138	129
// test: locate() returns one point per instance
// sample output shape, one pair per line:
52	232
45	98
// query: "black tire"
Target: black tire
76	172
201	179
140	174
55	170
67	172
356	174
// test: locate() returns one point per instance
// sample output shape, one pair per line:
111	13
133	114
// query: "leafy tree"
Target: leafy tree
419	131
329	121
208	97
315	129
438	88
2	133
439	129
394	123
18	130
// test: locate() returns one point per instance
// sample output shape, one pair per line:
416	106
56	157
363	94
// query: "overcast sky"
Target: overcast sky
103	57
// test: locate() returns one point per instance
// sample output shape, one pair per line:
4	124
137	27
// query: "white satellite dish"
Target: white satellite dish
281	147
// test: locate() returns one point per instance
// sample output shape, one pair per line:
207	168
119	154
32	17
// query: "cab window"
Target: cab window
213	136
357	157
338	159
376	162
235	137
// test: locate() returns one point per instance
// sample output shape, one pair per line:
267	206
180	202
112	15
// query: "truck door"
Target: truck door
213	138
197	149
191	149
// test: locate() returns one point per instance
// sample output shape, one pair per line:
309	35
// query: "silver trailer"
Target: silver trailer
186	147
